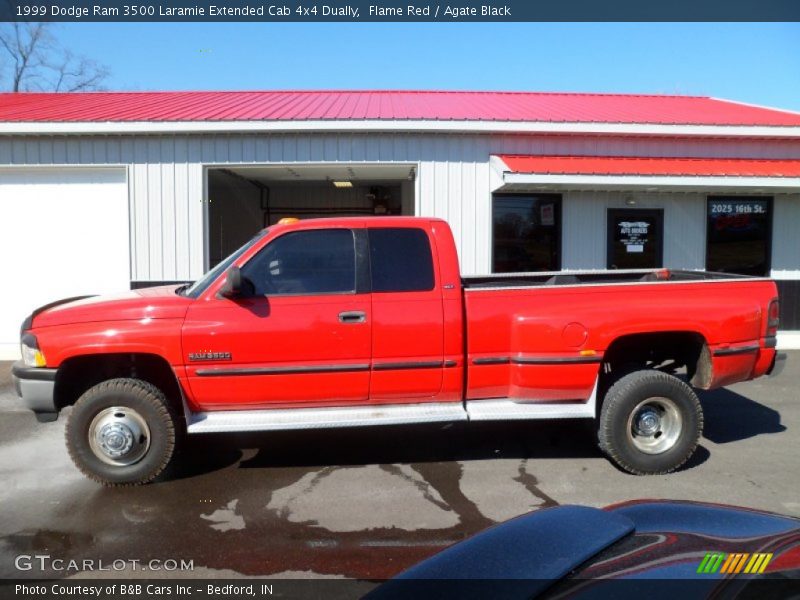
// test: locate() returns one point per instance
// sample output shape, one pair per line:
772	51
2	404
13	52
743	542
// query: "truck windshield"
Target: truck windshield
199	286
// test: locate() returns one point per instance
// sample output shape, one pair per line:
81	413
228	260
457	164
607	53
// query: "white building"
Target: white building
102	192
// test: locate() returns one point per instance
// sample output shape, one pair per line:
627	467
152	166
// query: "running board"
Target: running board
501	409
322	418
509	410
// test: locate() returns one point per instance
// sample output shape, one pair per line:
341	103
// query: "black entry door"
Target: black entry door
635	238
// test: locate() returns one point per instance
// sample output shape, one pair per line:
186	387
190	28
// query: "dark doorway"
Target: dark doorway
635	238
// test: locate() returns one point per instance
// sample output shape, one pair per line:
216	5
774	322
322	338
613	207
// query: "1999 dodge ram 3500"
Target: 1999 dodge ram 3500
367	321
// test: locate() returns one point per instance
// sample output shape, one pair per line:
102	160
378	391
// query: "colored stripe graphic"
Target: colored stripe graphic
734	563
711	562
732	558
739	563
758	563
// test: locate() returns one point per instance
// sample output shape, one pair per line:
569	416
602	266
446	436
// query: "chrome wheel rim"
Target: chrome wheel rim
655	425
119	436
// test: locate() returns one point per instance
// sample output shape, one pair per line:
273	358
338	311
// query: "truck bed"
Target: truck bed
620	276
541	337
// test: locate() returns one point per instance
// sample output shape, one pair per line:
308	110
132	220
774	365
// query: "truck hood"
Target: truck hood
156	303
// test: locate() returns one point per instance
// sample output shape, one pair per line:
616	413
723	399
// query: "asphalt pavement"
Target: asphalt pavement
366	503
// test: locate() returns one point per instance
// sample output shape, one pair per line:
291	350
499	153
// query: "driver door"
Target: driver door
303	338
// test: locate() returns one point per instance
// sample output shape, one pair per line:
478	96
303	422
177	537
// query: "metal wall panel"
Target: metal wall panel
584	216
785	238
167	187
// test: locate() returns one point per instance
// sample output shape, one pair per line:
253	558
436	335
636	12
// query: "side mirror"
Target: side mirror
233	283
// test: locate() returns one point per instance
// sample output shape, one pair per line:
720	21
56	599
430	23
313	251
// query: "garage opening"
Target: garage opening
243	200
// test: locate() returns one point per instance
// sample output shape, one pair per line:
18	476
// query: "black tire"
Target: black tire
679	417
149	405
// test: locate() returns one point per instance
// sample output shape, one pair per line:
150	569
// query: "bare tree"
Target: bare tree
33	60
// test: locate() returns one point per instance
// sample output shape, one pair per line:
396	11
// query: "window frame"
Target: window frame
559	227
359	240
770	225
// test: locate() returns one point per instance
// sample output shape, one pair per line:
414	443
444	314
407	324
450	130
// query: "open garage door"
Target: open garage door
63	232
243	200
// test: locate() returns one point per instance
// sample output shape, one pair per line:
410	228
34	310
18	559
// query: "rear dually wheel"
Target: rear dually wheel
650	423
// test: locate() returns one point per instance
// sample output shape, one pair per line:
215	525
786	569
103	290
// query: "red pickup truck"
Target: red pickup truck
367	321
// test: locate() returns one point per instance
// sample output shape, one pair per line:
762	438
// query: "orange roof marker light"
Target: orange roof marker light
288	220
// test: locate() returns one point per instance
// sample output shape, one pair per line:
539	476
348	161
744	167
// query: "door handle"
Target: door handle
352	316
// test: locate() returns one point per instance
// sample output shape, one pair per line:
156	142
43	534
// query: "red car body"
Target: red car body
512	337
367	321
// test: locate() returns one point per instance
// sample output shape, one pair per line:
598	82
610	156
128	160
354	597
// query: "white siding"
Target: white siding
584	217
167	187
786	237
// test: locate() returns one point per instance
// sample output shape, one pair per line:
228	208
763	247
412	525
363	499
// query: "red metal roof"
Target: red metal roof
623	165
385	105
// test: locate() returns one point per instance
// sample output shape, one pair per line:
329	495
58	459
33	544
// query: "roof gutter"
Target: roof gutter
509	180
406	126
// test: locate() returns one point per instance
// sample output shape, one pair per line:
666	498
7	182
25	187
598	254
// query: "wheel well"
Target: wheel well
78	374
668	351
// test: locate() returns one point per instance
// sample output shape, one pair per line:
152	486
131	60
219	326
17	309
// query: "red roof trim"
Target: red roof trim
670	167
388	105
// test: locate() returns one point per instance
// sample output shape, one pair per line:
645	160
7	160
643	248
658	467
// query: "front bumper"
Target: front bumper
36	386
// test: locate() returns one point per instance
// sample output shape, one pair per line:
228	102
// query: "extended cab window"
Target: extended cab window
400	260
321	261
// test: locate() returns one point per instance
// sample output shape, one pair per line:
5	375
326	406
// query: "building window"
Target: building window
400	260
739	233
526	233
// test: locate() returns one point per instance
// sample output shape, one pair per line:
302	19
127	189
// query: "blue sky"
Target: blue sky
758	63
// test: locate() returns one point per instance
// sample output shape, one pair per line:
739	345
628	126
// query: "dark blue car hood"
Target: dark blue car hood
532	550
573	551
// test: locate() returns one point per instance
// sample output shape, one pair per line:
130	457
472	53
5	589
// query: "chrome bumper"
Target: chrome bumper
36	387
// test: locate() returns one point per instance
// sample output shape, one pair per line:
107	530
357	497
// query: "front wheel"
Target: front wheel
121	432
650	423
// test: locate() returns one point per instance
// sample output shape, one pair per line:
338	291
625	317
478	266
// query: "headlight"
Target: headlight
31	355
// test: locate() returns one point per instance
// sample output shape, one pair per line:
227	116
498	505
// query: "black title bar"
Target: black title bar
397	11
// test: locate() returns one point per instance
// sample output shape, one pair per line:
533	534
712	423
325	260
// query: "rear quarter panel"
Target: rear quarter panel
568	328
